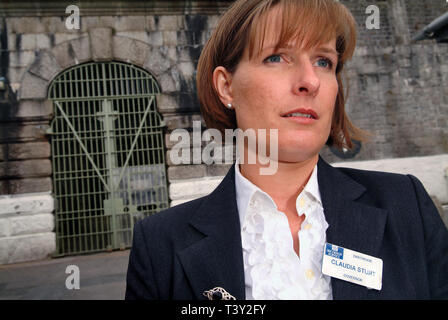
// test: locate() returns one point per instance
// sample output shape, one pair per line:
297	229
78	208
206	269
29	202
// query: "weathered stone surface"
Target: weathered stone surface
135	35
178	102
186	172
155	38
170	22
36	223
56	25
28	150
26	110
25	204
27	185
189	52
120	23
193	188
21	58
59	38
186	69
130	50
167	102
217	169
11	132
26	168
33	109
27	247
72	52
168	83
191	155
150	23
157	61
81	49
33	87
5	228
15	74
45	65
64	54
430	170
101	43
25	25
28	41
26	225
169	38
182	121
171	81
43	41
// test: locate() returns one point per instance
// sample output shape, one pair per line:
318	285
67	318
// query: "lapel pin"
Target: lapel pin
218	293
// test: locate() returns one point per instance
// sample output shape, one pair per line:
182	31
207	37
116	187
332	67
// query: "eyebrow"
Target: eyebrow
327	50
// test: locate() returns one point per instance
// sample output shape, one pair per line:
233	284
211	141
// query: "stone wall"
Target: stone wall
26	227
25	164
403	91
398	89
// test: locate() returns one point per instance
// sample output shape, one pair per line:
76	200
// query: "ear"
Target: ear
222	80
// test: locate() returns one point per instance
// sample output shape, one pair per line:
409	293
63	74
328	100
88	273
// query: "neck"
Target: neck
286	184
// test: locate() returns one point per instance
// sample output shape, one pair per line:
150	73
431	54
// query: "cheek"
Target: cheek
253	97
328	100
253	89
330	95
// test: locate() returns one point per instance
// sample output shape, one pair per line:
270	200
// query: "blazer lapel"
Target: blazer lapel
216	260
353	224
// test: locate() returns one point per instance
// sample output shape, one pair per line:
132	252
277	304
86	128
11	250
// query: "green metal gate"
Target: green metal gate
107	154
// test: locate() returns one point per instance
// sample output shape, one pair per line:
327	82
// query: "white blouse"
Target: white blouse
272	269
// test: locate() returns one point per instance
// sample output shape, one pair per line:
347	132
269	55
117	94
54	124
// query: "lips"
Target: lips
303	113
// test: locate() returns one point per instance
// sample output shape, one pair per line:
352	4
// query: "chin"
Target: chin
299	151
295	157
298	154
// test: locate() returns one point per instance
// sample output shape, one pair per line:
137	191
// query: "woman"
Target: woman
277	65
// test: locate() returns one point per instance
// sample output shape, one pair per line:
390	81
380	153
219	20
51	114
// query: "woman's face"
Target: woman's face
292	90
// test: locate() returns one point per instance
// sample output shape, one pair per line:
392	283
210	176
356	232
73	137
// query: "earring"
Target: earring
229	106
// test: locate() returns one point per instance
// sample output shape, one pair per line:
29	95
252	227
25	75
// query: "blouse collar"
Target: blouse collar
245	190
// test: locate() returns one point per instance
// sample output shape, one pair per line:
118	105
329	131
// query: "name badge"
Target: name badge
352	266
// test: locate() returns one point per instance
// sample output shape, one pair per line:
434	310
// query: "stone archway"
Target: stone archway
96	45
99	44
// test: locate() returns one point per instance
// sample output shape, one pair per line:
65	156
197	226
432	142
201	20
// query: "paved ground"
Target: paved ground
102	276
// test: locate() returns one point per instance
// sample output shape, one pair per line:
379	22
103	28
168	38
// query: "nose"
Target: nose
306	80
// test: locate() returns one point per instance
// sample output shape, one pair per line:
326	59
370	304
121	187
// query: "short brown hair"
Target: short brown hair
311	22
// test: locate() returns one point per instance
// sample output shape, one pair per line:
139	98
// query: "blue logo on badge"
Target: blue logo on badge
334	251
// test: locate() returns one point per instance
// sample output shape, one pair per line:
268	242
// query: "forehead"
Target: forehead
279	27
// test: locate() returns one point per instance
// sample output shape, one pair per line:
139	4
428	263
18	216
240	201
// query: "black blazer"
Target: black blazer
196	246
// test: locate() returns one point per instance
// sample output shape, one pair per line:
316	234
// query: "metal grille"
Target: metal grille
108	155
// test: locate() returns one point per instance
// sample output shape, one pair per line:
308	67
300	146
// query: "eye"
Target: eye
325	63
275	58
